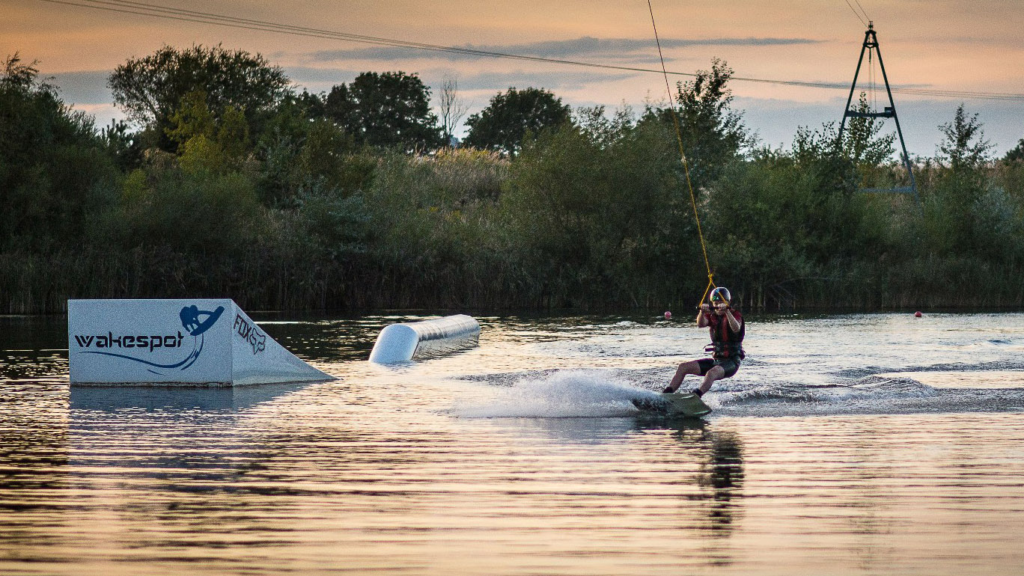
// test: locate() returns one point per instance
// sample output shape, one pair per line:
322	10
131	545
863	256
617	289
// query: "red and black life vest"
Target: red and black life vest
725	343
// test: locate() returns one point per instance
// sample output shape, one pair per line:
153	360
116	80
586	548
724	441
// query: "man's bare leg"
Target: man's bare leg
716	373
685	369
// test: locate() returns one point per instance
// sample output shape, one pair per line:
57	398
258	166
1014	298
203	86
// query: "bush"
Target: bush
54	167
602	220
200	213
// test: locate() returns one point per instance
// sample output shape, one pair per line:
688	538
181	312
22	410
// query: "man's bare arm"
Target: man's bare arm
702	319
734	324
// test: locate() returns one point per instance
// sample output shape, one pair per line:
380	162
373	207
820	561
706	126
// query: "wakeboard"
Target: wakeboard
685	405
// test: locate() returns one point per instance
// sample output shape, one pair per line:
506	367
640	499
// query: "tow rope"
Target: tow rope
682	156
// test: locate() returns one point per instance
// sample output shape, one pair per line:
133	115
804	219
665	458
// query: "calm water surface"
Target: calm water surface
868	444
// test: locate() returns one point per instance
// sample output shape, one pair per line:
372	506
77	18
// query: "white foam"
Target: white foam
563	394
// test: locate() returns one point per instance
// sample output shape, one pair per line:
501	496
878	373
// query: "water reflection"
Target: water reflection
693	471
723	474
378	472
34	442
176	398
719	477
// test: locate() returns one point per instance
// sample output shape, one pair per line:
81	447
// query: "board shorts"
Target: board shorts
730	365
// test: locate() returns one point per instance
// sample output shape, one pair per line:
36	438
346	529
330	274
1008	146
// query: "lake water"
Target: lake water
861	444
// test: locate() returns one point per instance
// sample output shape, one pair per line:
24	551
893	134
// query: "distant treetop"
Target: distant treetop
503	124
150	89
390	109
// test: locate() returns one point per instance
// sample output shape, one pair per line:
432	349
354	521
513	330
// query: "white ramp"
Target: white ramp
401	342
196	342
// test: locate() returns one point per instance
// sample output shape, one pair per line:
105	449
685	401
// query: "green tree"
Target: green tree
206	141
786	220
331	228
123	145
712	132
279	141
311	105
862	143
604	130
871	151
504	123
964	146
962	183
389	110
1015	154
192	118
54	168
150	89
199	213
1011	172
329	156
593	214
298	150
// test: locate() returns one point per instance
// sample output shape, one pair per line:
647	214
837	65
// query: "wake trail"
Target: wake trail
561	394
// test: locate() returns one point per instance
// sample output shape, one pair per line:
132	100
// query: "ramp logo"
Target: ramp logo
194	321
250	334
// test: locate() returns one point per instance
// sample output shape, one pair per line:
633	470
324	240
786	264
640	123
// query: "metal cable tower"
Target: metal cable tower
871	43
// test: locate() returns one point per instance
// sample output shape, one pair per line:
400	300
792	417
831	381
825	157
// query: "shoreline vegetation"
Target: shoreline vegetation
227	182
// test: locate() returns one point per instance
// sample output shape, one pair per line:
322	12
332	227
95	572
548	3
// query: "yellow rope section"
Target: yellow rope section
682	156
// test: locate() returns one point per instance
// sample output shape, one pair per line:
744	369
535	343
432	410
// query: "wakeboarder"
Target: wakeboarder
727	331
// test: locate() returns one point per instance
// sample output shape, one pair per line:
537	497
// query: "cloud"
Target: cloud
323	78
608	48
548	80
308	75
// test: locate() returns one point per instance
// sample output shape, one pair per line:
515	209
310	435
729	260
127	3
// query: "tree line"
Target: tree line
225	181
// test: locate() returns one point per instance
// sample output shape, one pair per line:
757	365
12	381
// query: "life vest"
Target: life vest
724	342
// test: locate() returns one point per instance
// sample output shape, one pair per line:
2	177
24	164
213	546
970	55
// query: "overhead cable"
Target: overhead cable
179	14
857	14
866	17
682	156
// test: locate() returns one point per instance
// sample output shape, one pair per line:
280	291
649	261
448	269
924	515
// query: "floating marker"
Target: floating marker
190	342
668	315
917	314
401	342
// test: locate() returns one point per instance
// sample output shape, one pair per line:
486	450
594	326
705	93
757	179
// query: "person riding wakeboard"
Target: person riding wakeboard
727	331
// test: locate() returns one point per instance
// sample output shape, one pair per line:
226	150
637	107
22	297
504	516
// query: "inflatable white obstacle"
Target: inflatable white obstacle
402	342
192	342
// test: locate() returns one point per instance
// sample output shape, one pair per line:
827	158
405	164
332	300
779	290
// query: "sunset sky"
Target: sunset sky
946	45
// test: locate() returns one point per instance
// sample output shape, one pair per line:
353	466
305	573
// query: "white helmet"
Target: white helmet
720	295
